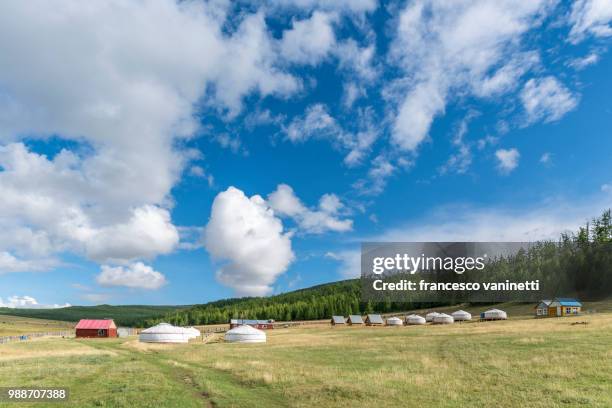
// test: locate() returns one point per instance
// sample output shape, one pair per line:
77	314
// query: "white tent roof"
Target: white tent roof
193	332
430	316
245	329
413	318
164	328
394	321
245	334
495	314
165	333
461	315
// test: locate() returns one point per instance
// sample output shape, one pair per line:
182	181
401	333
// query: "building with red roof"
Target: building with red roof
96	328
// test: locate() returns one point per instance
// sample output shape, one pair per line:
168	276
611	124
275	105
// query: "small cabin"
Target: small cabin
374	320
92	328
355	319
560	307
257	324
541	309
337	320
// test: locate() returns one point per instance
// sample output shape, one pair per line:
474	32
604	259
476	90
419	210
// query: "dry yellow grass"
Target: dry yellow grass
528	362
15	326
47	348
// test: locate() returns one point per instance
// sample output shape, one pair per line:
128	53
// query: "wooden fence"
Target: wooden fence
25	337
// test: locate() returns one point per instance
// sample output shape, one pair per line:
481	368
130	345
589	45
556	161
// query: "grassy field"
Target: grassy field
520	362
15	325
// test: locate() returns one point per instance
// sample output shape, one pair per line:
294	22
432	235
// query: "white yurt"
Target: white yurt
461	315
394	321
494	314
245	334
443	318
193	333
429	317
164	333
415	319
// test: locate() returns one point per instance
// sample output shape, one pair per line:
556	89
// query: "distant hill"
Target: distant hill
123	315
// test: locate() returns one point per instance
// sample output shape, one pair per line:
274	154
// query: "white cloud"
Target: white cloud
350	262
198	171
546	99
543	221
285	203
317	123
606	188
28	302
96	298
352	92
147	233
245	233
382	167
117	85
507	159
446	49
461	160
357	60
546	158
10	263
310	40
590	17
347	6
583	62
136	275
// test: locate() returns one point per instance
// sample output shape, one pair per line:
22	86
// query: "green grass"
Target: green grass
519	362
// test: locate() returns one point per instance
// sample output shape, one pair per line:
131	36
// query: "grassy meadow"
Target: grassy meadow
519	362
16	325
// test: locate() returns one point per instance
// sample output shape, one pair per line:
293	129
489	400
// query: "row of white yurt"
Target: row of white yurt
494	314
164	333
245	334
415	319
394	321
429	317
461	315
443	318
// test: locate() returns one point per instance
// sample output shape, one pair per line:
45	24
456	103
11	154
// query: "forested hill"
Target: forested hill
131	315
303	304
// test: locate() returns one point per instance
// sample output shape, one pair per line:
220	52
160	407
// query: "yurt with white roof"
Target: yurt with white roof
414	319
193	333
494	314
245	334
461	315
429	317
164	333
443	318
394	321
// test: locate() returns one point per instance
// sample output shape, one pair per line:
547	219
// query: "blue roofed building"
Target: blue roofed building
564	307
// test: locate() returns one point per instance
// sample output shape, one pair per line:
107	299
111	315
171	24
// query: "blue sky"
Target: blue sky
176	153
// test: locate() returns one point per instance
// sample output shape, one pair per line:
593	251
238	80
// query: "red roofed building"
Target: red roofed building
96	328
